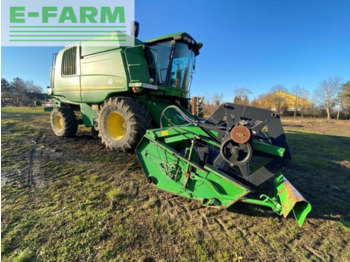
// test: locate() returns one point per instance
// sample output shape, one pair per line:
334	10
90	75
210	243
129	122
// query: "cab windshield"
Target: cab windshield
171	64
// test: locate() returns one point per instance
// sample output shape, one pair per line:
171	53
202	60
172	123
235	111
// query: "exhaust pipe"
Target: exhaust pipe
135	29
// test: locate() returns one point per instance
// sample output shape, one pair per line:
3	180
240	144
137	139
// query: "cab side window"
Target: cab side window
69	61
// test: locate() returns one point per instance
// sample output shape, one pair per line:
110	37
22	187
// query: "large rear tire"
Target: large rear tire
63	122
122	122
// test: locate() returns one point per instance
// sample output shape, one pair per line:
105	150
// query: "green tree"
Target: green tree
344	98
18	86
5	85
345	94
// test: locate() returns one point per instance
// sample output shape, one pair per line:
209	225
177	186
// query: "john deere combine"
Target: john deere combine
121	92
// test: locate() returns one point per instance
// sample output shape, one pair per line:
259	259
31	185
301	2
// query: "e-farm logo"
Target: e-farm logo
57	23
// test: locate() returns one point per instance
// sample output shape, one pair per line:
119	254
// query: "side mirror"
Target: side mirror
135	28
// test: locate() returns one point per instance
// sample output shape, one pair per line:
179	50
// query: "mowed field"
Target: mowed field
73	200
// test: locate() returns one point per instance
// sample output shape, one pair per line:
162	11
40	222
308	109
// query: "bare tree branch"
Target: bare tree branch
327	93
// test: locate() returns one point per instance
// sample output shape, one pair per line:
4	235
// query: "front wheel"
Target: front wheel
122	122
63	122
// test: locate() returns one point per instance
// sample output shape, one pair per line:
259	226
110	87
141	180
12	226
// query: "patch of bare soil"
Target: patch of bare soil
320	126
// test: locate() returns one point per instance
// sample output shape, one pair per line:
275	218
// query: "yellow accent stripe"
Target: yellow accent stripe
101	87
66	89
83	88
164	133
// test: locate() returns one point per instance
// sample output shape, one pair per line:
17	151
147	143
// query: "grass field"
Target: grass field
73	200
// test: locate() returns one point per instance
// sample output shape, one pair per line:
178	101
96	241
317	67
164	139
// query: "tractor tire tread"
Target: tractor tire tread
70	122
138	121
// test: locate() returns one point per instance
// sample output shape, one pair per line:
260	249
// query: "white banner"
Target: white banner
60	23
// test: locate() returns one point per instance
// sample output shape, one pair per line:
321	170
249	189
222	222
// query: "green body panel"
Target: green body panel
155	108
171	91
102	75
58	100
98	75
88	49
167	168
270	149
67	86
137	65
88	114
155	105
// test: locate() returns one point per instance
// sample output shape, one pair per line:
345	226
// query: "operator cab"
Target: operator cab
171	60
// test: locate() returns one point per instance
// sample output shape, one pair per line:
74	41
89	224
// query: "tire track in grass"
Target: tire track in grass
35	157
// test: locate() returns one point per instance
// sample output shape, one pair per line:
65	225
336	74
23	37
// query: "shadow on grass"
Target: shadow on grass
320	171
85	137
19	115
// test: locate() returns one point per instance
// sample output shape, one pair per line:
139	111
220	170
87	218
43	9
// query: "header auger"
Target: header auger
122	92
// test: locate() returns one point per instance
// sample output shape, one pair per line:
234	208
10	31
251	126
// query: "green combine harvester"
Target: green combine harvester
136	97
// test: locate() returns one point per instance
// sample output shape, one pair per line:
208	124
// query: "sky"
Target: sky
247	43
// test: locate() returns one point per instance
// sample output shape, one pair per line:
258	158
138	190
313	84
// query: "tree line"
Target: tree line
19	92
330	99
